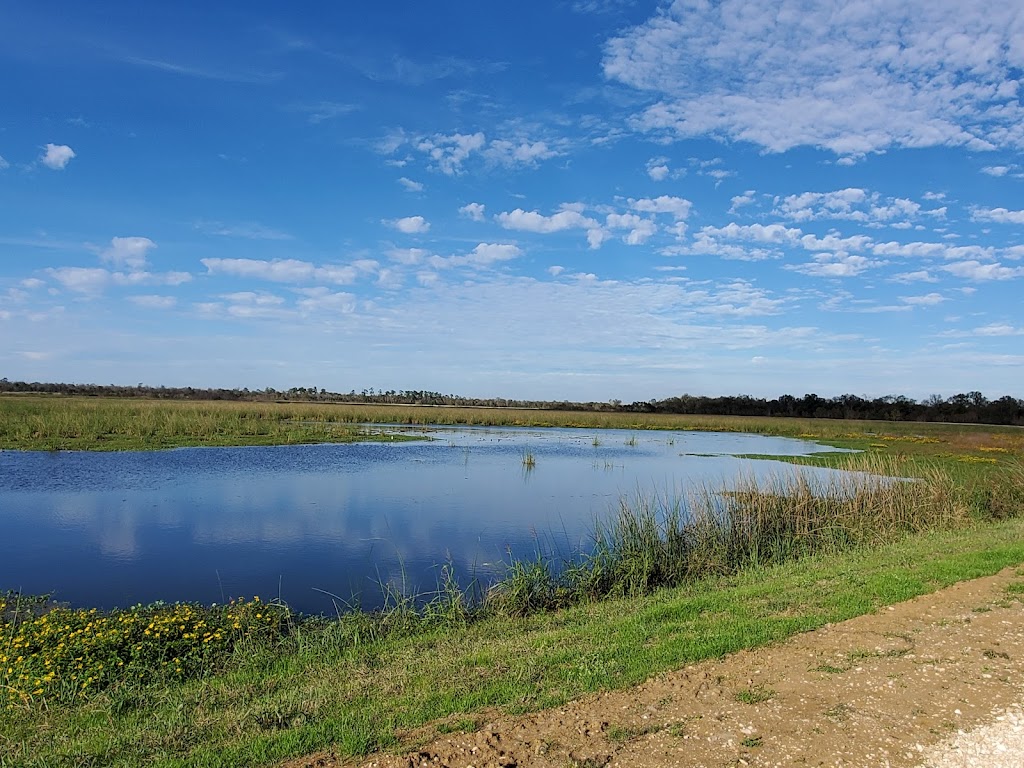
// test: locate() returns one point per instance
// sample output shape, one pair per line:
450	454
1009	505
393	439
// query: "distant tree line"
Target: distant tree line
970	407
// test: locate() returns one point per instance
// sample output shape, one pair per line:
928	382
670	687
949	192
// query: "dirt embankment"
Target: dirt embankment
934	681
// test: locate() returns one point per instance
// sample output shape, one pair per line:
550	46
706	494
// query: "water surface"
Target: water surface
296	522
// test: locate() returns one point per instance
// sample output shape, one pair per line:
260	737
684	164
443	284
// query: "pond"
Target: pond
318	524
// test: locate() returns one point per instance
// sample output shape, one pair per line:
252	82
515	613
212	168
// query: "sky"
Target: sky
574	199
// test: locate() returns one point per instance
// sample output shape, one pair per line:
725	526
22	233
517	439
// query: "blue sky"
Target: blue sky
585	200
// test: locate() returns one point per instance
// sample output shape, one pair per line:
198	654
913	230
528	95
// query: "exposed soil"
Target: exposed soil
900	687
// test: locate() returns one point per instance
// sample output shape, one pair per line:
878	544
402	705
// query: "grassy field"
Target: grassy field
64	423
250	683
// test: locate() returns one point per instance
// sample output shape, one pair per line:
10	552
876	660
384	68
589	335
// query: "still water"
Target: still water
298	522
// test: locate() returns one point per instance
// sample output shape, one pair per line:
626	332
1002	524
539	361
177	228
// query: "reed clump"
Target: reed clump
671	539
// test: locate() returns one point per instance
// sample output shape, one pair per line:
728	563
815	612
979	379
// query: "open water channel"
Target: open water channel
298	522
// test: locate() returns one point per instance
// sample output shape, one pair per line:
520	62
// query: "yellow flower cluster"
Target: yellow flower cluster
54	652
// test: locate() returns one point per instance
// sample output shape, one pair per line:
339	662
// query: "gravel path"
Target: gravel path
999	744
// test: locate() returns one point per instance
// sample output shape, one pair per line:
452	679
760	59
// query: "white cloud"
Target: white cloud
153	301
4	165
93	280
57	156
996	170
281	270
568	218
975	270
595	237
999	329
408	256
704	245
128	252
718	174
322	299
834	242
854	204
678	207
490	253
448	153
835	265
740	298
657	168
852	78
484	255
247	305
81	279
760	233
970	252
640	229
920	276
509	153
410	185
474	211
410	225
998	215
928	300
912	250
840	204
747	198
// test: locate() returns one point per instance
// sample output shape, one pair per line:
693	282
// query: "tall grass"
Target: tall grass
38	422
667	540
110	424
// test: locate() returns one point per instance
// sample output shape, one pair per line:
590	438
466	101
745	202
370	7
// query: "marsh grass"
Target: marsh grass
51	423
109	424
661	541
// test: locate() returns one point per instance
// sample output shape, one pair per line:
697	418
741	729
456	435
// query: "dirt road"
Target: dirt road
934	681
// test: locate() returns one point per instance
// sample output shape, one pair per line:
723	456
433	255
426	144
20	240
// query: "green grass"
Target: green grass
755	695
53	422
96	424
